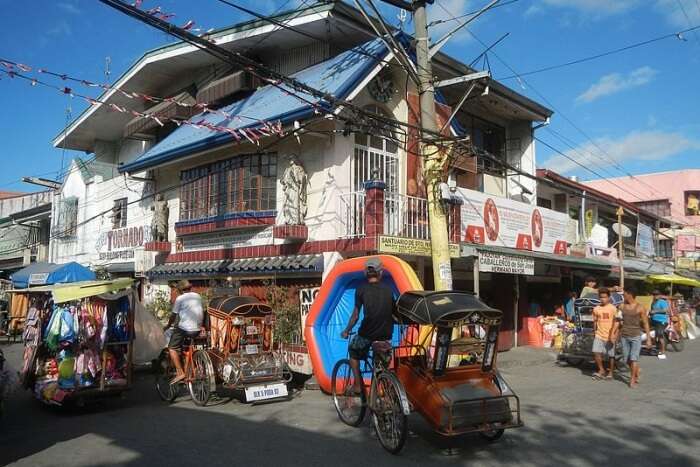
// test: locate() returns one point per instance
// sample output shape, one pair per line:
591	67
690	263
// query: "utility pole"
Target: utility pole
434	158
621	246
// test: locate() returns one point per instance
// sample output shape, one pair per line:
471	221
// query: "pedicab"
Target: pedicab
447	364
577	341
238	355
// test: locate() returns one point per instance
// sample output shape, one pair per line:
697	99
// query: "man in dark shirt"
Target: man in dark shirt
377	302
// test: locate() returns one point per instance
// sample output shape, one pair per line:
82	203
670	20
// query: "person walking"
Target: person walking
634	317
659	320
605	325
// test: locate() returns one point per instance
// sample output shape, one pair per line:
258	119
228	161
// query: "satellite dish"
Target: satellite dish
621	230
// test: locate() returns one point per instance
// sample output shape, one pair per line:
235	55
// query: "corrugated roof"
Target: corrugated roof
337	76
244	266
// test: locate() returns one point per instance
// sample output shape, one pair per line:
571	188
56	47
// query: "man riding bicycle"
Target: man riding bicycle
186	318
377	302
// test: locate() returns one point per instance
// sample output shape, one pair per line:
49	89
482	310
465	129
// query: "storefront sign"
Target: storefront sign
306	299
506	264
228	239
645	240
297	357
490	220
685	243
410	246
685	263
120	244
117	255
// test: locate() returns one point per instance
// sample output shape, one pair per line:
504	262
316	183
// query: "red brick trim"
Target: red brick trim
291	232
223	225
162	247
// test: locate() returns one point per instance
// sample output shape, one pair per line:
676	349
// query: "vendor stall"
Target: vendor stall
78	340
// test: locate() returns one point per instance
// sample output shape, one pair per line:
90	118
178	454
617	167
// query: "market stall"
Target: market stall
78	339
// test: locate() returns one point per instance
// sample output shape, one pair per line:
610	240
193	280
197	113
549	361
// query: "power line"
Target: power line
600	55
455	18
690	23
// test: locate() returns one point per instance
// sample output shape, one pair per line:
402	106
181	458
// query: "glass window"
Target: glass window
244	183
692	203
119	213
665	248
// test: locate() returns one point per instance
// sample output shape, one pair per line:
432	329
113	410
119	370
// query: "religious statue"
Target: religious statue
159	225
294	182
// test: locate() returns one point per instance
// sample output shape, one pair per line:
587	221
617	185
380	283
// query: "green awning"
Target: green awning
673	279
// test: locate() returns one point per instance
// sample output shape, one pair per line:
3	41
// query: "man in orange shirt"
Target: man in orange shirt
605	324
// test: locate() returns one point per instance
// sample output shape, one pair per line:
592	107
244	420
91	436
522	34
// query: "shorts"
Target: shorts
603	347
178	338
359	347
659	329
631	347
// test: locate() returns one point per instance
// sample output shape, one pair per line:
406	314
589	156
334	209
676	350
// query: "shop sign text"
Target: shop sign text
506	264
410	246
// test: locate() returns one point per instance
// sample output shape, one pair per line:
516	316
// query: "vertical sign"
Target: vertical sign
645	240
306	299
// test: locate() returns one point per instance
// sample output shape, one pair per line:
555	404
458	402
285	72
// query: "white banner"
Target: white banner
490	220
506	264
645	240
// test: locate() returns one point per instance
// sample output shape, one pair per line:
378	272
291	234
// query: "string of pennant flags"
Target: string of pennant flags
251	134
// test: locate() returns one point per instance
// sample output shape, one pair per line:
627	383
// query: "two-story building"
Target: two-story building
266	185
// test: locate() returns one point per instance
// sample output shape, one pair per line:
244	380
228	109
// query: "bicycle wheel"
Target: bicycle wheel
676	344
165	372
388	415
200	385
351	408
492	435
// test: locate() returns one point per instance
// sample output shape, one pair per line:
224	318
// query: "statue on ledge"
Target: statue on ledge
159	224
294	182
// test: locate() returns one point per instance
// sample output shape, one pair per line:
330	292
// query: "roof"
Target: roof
337	76
563	260
240	267
50	273
597	194
90	169
75	291
444	308
11	194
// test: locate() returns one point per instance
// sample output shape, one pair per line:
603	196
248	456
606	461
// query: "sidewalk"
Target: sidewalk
526	356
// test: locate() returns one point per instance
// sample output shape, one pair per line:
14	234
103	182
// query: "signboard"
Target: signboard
120	244
410	246
297	357
685	263
38	278
306	299
229	239
645	240
491	220
506	264
685	243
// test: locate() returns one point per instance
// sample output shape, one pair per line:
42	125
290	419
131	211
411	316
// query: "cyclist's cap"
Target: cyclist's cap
373	263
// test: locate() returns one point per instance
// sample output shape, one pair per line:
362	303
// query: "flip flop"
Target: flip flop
598	376
608	377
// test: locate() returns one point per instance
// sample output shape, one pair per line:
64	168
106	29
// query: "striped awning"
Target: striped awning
240	267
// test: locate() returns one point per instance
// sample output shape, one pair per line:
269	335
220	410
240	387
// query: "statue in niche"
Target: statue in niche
294	183
159	224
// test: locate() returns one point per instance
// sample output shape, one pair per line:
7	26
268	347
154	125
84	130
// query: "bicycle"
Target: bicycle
387	400
198	373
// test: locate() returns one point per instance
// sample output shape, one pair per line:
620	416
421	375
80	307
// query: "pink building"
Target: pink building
674	195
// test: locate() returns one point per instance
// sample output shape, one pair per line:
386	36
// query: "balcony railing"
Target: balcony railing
404	216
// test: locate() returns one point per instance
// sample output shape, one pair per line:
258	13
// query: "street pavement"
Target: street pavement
570	420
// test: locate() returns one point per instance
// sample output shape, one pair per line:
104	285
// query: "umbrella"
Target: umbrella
673	279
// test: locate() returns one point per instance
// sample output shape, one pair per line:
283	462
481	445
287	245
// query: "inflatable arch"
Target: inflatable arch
333	306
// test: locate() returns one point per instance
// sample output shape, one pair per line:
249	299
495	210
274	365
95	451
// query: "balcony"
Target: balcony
403	216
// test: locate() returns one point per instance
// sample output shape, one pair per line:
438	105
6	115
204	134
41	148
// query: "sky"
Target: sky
631	112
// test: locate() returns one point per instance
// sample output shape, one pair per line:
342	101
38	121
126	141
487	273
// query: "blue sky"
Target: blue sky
639	107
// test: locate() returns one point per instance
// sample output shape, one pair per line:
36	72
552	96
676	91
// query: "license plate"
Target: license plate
251	349
268	391
251	330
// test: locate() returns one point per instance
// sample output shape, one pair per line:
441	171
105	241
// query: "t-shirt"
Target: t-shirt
631	319
188	307
377	303
605	317
658	311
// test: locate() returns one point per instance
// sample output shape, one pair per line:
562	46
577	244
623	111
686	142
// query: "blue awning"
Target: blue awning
50	273
337	76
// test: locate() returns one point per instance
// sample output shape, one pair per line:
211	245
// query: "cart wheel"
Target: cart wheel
388	417
165	372
202	384
351	408
492	435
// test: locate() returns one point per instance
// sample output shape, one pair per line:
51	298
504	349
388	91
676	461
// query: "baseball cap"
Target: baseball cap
373	263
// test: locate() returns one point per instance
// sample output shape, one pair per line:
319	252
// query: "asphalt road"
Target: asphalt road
570	420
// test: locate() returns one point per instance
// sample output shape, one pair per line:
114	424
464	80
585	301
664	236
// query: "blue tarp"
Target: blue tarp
337	76
50	273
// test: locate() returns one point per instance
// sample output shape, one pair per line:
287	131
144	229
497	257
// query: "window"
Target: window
659	207
544	203
244	183
68	217
692	203
119	213
665	249
377	152
488	137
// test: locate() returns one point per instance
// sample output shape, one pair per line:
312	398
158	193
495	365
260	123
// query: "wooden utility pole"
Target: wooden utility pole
434	156
621	245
